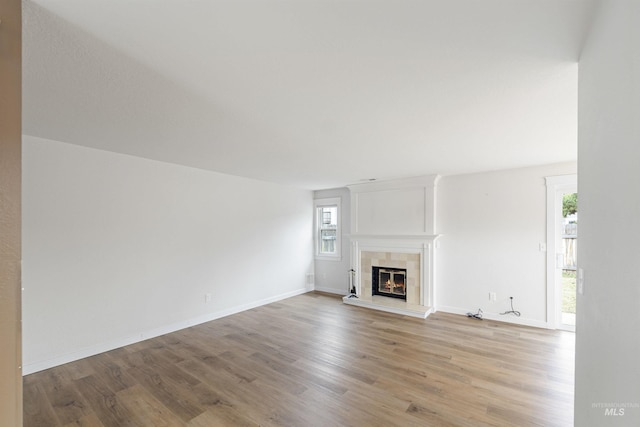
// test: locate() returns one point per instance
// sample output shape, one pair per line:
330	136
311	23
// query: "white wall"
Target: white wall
492	224
330	275
119	248
608	313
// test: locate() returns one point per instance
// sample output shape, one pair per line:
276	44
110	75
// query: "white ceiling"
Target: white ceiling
310	93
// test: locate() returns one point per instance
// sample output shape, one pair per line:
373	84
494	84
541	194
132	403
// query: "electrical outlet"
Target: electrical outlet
207	298
493	296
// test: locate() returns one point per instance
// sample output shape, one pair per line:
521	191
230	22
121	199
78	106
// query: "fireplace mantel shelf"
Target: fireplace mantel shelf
391	305
362	236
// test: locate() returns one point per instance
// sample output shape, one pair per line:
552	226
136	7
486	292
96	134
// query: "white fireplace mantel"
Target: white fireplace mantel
389	220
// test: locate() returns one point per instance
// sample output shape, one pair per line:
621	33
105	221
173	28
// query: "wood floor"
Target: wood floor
313	361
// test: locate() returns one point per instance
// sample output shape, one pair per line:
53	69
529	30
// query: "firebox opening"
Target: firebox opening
389	282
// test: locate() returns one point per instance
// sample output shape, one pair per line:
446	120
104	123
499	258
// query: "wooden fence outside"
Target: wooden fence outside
569	246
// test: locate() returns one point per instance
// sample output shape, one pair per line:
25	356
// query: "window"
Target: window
327	224
328	230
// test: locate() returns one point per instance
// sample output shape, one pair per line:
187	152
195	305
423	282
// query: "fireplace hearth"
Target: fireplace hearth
389	282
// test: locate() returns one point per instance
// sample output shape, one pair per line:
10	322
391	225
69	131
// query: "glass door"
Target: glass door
569	231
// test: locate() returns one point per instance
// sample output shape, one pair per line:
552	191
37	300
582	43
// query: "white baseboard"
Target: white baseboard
41	365
507	318
331	290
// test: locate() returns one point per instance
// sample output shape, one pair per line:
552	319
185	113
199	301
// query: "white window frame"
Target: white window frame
317	221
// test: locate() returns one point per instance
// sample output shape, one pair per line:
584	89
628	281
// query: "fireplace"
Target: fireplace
389	282
393	228
412	256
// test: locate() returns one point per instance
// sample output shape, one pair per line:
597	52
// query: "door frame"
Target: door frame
557	186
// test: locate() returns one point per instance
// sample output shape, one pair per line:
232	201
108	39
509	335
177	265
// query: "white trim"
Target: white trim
418	244
555	184
428	183
496	317
41	365
389	238
330	290
328	202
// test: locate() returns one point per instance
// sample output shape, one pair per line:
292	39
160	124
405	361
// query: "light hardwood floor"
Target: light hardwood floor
313	361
